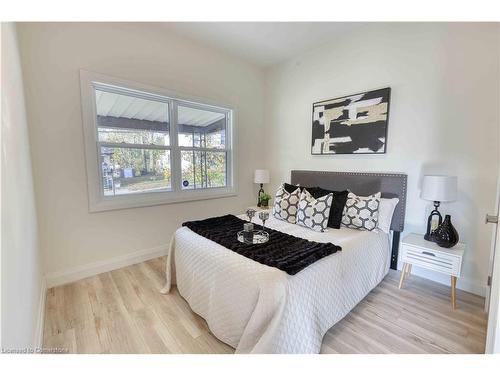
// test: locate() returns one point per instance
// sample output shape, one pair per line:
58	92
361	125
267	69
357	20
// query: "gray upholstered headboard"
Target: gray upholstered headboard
391	185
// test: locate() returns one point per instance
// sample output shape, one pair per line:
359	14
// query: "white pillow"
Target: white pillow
385	212
314	213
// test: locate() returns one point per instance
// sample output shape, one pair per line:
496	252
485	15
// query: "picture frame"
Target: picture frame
351	124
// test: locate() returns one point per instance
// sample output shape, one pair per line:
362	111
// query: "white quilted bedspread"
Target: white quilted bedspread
260	309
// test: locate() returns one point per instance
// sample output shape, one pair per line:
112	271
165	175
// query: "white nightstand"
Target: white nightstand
419	252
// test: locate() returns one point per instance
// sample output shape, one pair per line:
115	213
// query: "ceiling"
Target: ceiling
262	43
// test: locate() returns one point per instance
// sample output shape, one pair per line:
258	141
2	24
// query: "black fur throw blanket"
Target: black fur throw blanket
283	251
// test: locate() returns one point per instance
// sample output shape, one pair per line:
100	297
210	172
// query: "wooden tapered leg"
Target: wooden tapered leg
403	274
408	271
453	292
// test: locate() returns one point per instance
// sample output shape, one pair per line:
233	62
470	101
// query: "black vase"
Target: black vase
446	235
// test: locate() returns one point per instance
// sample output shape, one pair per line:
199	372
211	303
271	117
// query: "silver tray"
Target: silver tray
259	236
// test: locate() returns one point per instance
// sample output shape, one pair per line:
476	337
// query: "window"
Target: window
145	146
134	145
202	141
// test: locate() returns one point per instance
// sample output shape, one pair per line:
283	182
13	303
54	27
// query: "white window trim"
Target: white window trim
97	201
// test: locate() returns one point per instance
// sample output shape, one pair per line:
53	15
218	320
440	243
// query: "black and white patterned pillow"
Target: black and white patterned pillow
314	212
285	205
361	212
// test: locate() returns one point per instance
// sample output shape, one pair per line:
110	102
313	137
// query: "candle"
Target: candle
248	232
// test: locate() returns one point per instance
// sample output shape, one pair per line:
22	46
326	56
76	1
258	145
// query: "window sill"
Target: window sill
155	199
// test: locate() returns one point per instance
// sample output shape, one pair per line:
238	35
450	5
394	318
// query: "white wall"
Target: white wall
52	54
493	334
496	270
21	265
443	117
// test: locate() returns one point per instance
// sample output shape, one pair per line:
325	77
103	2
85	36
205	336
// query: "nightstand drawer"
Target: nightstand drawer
434	260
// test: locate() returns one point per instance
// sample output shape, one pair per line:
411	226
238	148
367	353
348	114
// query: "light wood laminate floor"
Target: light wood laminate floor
123	312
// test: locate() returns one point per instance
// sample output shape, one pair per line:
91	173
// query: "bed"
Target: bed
260	309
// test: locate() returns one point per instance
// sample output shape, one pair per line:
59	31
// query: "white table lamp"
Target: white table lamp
437	189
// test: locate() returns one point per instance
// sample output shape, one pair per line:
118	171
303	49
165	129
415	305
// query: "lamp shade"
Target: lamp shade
261	176
439	188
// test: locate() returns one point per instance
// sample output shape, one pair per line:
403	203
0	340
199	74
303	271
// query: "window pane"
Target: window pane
203	169
190	139
133	170
191	171
129	119
216	169
201	128
133	137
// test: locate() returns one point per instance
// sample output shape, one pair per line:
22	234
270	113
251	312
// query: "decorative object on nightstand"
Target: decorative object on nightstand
438	189
446	235
415	250
264	200
261	176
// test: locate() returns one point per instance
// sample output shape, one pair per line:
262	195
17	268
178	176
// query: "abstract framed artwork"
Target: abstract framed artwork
354	124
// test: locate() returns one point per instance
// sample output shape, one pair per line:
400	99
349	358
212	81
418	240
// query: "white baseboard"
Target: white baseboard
92	269
463	283
40	323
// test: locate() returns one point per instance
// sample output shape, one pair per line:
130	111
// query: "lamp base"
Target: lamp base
428	237
430	227
261	191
